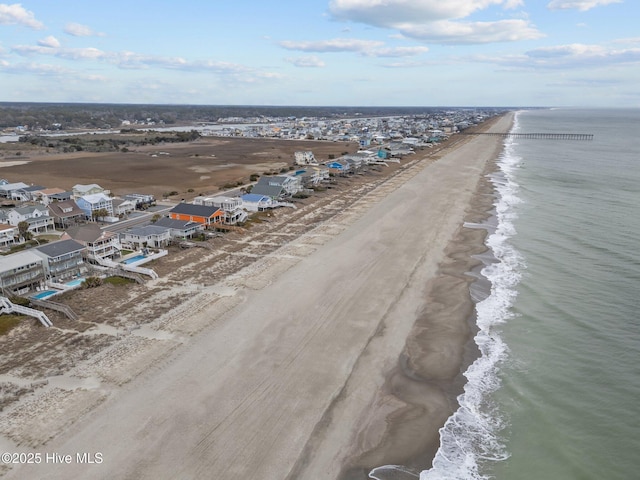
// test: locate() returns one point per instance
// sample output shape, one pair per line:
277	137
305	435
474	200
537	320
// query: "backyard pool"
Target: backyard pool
45	294
135	259
75	283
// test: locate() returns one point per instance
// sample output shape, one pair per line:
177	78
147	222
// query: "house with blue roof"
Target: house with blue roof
254	202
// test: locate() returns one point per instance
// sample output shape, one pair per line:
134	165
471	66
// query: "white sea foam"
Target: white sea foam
469	439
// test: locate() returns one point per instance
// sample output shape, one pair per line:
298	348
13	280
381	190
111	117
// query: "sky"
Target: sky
507	53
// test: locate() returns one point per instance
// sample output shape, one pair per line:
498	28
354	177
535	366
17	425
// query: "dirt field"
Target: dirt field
203	166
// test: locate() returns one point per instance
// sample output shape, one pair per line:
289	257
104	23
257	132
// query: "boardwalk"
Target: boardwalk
537	136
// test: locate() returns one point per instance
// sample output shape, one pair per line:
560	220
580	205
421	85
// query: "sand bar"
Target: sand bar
297	378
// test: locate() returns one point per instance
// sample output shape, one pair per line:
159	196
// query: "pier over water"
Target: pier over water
537	136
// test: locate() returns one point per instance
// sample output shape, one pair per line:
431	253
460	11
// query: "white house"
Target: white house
305	158
21	272
8	235
122	206
180	229
12	190
81	190
49	195
99	243
37	216
148	236
253	202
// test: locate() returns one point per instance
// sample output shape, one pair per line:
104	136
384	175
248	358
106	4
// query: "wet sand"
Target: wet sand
340	362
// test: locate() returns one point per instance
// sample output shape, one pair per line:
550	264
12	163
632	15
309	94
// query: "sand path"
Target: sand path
256	395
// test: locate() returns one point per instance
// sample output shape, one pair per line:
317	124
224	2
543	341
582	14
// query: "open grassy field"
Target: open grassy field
201	166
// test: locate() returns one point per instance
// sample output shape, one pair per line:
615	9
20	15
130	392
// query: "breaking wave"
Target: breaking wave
470	439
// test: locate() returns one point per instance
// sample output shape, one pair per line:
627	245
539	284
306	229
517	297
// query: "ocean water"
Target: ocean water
556	391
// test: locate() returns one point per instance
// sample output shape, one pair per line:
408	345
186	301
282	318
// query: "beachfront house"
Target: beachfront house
253	202
100	244
63	260
66	213
230	206
205	215
180	229
153	236
277	186
312	176
21	272
399	149
95	204
305	158
338	167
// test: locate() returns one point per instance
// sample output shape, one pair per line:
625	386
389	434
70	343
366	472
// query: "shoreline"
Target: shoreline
296	363
411	442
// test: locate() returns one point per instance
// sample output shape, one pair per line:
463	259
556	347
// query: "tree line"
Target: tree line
104	143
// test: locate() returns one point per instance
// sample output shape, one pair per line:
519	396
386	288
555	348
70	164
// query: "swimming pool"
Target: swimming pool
45	294
135	259
75	283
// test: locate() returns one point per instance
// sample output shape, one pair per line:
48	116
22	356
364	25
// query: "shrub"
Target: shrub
118	281
92	282
16	300
8	321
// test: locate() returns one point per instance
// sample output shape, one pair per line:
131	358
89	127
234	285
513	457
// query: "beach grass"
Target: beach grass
7	322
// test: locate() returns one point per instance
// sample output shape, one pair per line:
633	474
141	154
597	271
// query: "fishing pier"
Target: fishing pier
537	136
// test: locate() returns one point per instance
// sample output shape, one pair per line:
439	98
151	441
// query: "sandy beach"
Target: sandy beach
339	352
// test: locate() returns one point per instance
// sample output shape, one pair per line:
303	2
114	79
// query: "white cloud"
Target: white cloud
399	51
389	12
446	32
572	56
309	62
369	48
35	69
574	50
66	53
79	30
335	45
50	42
15	14
582	5
436	21
135	61
405	64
